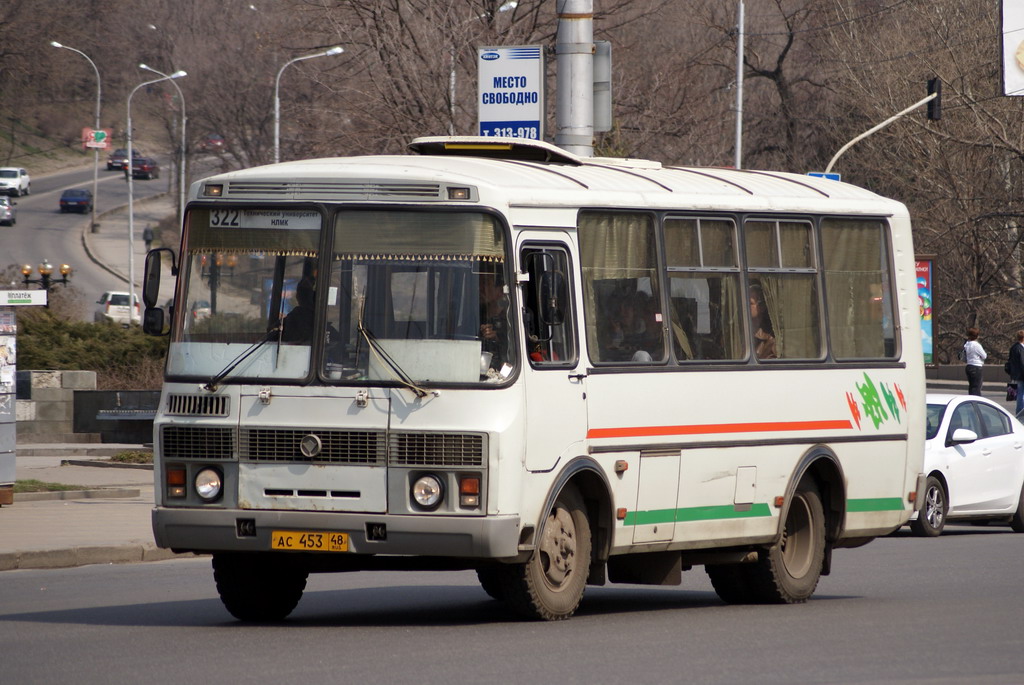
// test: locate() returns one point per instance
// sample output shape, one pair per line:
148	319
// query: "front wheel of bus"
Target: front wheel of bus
550	585
257	587
788	572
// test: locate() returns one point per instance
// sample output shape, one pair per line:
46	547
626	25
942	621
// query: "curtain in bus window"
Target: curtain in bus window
793	312
705	317
857	289
411	235
622	299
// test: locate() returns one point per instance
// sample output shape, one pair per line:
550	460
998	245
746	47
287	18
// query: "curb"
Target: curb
85	556
110	493
88	230
104	464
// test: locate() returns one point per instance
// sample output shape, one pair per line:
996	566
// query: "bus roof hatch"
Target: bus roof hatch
521	149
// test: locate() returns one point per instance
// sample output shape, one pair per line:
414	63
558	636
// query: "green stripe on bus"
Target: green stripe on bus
875	504
728	511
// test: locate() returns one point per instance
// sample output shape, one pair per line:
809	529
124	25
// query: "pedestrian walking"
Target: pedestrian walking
147	237
1015	368
973	356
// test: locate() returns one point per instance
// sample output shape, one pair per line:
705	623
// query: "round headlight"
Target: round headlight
427	491
208	484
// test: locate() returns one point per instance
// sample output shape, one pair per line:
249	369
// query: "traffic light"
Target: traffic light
935	105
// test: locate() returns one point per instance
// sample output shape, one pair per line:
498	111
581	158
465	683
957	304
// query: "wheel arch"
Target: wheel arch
939	476
822	465
589	479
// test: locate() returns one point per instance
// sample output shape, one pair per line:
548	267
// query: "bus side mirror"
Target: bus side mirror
153	321
152	274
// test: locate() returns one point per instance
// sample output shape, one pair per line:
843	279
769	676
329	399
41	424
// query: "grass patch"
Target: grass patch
133	457
40	486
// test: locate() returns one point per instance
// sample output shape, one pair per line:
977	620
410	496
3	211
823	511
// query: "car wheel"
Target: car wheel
931	517
1017	520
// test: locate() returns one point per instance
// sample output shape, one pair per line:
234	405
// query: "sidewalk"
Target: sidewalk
107	248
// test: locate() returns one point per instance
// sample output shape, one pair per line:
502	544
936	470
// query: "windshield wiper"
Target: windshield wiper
275	329
400	375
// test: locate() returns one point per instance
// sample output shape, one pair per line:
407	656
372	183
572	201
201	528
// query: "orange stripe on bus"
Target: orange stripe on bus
717	428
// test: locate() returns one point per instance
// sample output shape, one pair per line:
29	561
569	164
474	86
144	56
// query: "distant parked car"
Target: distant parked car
76	200
974	460
8	215
212	143
119	159
145	167
15	181
113	306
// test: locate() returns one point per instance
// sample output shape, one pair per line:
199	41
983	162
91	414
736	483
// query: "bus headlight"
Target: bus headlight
428	491
208	484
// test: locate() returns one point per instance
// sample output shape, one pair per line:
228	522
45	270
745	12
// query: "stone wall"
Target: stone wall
45	406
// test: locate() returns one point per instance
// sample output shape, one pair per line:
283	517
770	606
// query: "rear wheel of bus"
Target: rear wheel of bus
258	587
550	585
788	571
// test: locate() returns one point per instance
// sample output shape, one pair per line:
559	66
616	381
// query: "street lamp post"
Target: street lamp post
131	190
96	151
184	143
336	50
46	279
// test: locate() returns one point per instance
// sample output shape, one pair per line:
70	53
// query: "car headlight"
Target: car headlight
208	484
428	491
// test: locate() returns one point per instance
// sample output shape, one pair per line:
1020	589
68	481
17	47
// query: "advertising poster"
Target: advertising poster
925	287
510	81
1013	47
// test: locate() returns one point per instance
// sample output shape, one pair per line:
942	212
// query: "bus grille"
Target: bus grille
437	449
197	405
197	442
334	190
337	447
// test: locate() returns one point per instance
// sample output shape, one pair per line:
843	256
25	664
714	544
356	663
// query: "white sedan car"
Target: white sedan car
974	459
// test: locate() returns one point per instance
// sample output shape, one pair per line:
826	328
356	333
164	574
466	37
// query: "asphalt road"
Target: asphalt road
43	232
900	610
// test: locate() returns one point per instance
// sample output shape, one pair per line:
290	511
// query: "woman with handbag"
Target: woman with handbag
1015	368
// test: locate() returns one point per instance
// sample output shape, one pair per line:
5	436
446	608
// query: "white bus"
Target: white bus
556	371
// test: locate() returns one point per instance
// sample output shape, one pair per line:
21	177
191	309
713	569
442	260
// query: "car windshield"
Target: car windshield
402	296
935	412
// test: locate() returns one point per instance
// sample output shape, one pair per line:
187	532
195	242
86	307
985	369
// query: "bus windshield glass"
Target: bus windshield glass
418	296
404	296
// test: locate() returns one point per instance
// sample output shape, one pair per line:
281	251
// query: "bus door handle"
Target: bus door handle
577	377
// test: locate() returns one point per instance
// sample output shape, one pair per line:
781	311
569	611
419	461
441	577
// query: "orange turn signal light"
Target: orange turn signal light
176	476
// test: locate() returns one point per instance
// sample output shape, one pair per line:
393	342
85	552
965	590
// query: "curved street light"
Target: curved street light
336	50
181	180
131	190
96	151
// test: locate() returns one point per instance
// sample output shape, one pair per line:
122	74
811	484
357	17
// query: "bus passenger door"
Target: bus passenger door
556	415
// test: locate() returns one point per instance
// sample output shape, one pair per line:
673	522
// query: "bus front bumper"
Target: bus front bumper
244	530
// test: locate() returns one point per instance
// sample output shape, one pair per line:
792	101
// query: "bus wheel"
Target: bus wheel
550	585
931	517
788	571
256	587
730	582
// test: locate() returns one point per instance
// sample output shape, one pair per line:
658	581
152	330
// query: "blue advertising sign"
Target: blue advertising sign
510	85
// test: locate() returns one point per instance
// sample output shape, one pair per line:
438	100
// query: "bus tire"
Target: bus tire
788	571
550	585
256	587
931	517
731	583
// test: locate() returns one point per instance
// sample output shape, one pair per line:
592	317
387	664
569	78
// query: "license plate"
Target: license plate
308	541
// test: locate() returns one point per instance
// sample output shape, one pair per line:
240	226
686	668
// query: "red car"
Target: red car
145	167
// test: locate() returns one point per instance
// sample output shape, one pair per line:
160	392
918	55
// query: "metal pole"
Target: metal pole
739	87
131	196
336	50
184	118
882	125
95	151
574	112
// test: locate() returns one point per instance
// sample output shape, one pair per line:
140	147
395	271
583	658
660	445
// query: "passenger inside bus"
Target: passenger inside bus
761	324
494	323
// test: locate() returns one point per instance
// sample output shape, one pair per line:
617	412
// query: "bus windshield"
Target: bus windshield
402	296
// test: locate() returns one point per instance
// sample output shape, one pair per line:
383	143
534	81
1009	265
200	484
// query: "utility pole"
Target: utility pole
574	112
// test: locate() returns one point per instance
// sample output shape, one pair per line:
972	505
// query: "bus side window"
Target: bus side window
547	307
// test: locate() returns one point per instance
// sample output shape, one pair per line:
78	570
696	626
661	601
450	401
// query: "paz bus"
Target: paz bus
493	355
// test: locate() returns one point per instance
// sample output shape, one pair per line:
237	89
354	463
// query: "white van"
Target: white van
15	181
